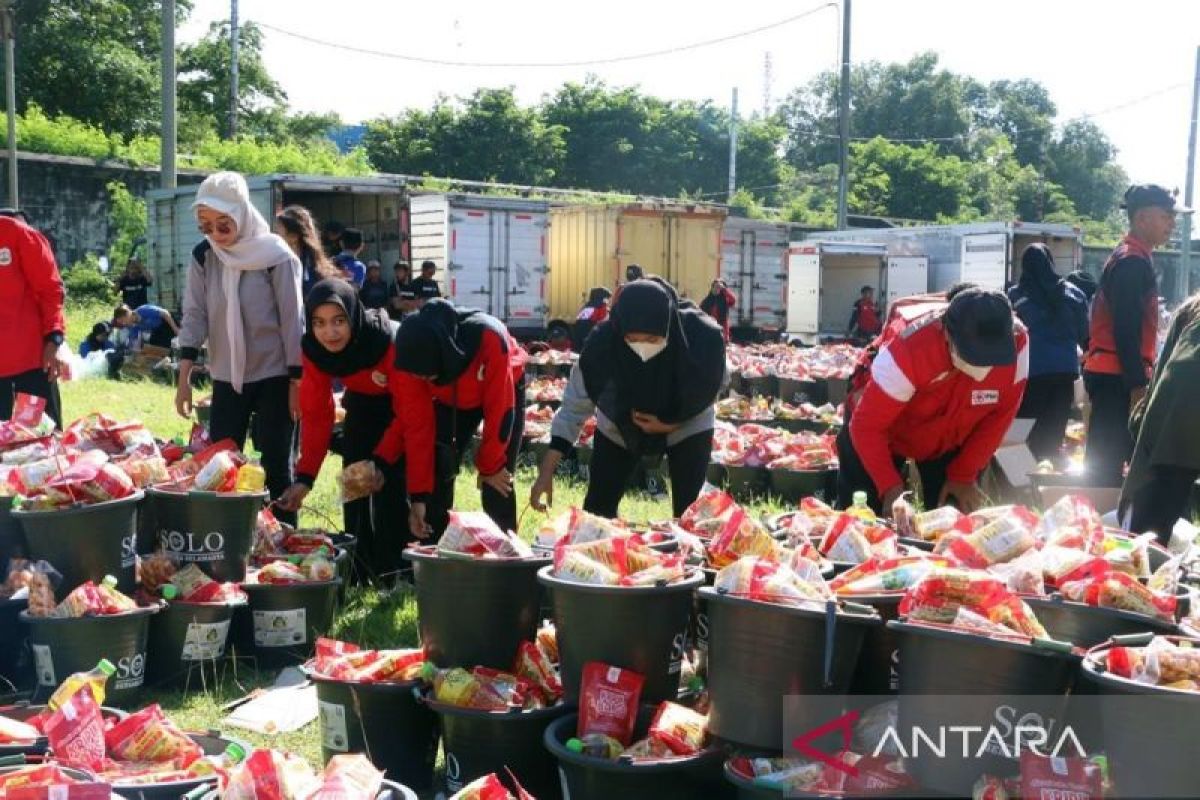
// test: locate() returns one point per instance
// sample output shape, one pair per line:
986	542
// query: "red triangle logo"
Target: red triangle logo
845	723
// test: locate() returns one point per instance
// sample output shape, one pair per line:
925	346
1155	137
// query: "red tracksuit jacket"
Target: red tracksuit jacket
317	411
488	382
31	297
917	405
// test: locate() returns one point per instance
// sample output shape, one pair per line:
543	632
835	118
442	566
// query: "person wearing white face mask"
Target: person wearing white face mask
942	392
650	374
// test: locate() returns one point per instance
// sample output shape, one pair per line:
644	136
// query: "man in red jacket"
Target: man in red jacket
31	318
1124	332
942	392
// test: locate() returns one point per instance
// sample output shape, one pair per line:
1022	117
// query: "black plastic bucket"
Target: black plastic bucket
86	543
976	669
587	778
796	391
390	790
746	482
186	637
794	485
22	712
475	743
1152	735
387	722
836	390
62	646
760	652
475	612
764	386
14	662
213	530
212	743
10	536
878	671
287	619
1087	626
640	628
717	475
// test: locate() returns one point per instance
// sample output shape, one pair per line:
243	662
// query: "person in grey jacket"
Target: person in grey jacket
651	374
243	299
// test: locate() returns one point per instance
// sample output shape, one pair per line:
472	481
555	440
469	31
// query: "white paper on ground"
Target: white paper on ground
289	706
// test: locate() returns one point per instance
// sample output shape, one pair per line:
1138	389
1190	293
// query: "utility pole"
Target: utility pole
733	134
8	27
844	119
233	69
1184	281
168	94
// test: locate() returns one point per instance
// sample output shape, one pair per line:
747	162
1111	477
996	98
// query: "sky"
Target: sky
1129	65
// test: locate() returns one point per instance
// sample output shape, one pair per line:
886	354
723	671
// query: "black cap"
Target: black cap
980	324
1151	194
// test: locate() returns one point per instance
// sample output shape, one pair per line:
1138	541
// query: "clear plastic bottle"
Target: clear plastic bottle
596	745
251	478
219	764
859	508
95	679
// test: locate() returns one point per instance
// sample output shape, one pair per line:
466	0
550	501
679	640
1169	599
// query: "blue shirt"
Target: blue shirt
347	262
150	318
1055	334
86	347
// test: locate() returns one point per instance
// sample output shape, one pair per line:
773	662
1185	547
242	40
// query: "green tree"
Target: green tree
901	180
126	223
1021	110
204	83
1081	160
113	45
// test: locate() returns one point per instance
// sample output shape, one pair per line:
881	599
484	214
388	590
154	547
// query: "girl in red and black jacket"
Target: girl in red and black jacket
346	342
718	303
459	367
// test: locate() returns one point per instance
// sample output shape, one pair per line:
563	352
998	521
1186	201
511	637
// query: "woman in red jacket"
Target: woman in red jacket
459	367
718	303
346	342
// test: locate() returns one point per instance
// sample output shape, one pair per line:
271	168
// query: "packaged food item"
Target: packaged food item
989	787
219	474
281	572
547	642
490	787
1108	589
742	536
1072	522
933	525
12	730
90	599
155	570
707	515
1128	554
303	542
681	729
877	575
757	578
849	539
34	580
533	665
317	567
1000	540
42	776
148	736
596	745
473	534
251	478
784	774
348	777
608	701
1160	663
271	775
76	732
938	597
1024	574
1052	776
487	690
358	480
904	515
575	566
94	681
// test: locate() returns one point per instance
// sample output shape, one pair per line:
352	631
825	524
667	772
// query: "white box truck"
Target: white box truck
377	206
987	253
825	278
490	253
753	253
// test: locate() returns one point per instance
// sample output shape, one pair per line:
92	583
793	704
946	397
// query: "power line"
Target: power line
441	62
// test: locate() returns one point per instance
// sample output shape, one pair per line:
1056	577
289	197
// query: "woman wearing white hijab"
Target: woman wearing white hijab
243	299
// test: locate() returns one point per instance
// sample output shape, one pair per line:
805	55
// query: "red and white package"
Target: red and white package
76	732
475	535
148	736
608	701
348	777
1048	776
271	775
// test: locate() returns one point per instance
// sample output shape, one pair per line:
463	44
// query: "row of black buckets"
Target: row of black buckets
817	391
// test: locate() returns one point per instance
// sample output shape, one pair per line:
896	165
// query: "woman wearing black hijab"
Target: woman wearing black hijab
459	367
594	311
343	341
1055	312
650	374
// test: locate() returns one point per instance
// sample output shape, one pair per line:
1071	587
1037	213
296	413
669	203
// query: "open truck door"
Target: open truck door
905	276
804	292
985	259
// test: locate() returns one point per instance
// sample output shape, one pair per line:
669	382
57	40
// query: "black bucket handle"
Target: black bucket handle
15	760
1131	640
831	612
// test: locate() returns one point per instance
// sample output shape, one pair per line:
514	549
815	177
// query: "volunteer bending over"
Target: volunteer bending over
458	367
650	374
942	392
350	344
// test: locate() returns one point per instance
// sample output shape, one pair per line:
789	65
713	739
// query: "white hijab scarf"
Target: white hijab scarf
256	248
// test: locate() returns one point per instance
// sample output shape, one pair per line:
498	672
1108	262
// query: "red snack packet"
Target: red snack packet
608	701
34	775
489	787
148	736
76	732
348	777
1047	776
28	409
533	666
679	728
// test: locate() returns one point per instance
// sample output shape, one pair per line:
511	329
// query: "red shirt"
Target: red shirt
917	405
317	411
31	297
489	383
1119	343
596	314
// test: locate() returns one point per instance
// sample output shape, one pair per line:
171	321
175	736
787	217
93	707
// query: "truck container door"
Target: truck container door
524	269
471	251
905	276
767	301
804	291
984	259
642	239
694	257
165	265
737	268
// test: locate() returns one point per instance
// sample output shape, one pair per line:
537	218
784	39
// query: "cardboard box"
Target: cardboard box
1006	480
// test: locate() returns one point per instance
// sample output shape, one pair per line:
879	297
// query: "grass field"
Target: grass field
369	617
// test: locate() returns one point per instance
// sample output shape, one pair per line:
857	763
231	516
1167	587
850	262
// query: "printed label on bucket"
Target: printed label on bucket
192	546
280	628
129	551
205	641
43	662
333	726
454	782
131	672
